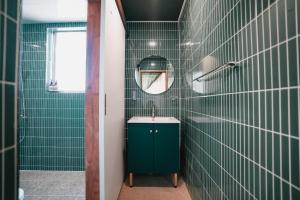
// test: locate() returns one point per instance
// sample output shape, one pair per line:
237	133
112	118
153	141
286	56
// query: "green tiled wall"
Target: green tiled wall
241	133
9	24
165	34
51	124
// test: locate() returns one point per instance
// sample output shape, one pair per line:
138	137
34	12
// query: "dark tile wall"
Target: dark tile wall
241	125
51	124
165	34
9	25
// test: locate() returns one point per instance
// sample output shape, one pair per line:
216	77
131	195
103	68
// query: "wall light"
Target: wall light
35	46
152	44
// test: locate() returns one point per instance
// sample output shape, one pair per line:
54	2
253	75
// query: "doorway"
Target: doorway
52	100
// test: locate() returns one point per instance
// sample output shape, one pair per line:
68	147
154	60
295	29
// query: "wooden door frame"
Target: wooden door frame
92	101
92	94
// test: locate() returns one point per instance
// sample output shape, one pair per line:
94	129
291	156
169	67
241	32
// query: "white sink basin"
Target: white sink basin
167	120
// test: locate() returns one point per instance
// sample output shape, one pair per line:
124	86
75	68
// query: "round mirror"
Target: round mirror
154	74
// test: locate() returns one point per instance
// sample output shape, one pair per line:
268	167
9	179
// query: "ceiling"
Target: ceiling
152	10
51	11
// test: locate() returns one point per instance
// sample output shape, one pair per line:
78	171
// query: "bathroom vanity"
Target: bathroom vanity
153	146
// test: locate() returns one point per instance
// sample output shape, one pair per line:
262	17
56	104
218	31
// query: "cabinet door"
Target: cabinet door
140	148
166	142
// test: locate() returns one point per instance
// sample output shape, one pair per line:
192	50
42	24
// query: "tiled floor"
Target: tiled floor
53	185
154	188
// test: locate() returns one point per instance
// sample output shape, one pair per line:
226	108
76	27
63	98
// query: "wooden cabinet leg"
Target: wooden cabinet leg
130	179
175	179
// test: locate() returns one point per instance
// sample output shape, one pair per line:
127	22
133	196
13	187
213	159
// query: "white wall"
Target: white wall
112	67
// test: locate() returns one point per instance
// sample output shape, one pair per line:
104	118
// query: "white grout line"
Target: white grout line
272	103
8	17
256	54
221	166
3	95
244	92
244	38
182	10
288	93
8	82
238	32
216	26
7	149
250	126
245	157
261	82
298	72
17	64
265	100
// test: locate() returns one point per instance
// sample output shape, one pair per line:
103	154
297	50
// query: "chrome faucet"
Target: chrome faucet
153	111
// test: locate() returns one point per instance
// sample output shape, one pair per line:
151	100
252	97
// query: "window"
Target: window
66	59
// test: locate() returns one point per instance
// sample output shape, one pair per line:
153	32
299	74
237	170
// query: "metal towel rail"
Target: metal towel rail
231	64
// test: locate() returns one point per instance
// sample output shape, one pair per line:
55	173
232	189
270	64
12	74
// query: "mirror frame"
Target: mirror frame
139	72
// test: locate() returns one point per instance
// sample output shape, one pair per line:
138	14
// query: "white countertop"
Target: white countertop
161	120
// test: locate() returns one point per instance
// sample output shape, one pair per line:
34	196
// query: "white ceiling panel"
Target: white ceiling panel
51	11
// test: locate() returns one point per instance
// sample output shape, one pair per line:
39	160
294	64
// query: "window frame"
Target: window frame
51	82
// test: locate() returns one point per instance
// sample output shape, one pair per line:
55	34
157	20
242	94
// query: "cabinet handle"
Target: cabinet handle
150	131
156	131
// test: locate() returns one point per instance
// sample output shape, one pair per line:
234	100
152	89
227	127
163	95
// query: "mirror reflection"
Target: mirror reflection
206	84
154	74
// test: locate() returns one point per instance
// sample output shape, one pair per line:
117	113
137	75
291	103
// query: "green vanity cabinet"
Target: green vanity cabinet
166	148
140	148
153	148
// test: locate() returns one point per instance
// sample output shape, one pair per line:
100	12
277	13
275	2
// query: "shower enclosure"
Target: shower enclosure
51	123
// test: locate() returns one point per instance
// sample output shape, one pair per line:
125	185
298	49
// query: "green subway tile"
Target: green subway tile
273	17
265	4
263	184
281	20
295	175
268	70
269	111
273	68
53	129
276	111
266	28
269	150
291	17
295	193
263	149
285	190
298	16
276	146
11	34
294	112
12	8
1	45
283	66
262	110
9	187
284	112
285	157
269	186
2	5
258	7
292	58
9	115
277	190
260	33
